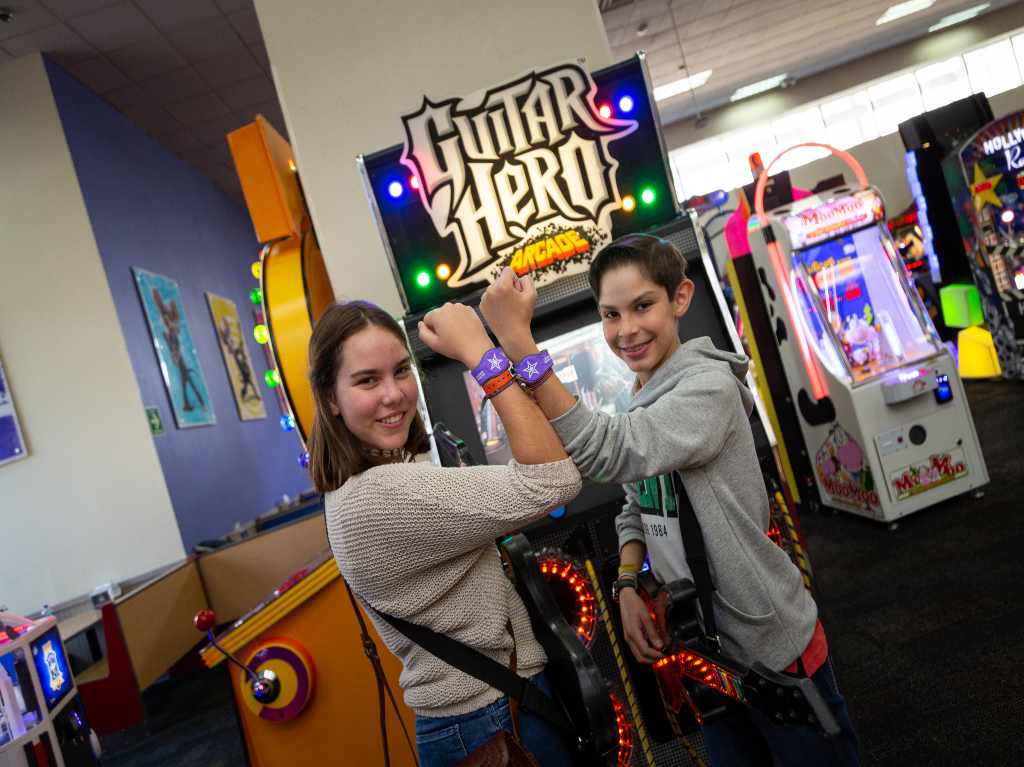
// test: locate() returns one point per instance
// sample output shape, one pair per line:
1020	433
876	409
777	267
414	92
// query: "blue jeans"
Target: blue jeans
445	741
745	738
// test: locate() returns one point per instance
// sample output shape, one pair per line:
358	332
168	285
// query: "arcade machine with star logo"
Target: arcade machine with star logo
881	404
986	179
538	174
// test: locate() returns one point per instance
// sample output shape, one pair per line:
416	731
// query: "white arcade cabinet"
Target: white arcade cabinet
881	405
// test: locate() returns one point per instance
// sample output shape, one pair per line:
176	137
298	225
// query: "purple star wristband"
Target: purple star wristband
534	367
493	363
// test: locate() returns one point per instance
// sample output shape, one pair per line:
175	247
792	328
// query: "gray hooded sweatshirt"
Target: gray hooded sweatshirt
692	417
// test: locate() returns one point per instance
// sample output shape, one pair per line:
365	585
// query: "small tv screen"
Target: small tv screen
52	667
584	363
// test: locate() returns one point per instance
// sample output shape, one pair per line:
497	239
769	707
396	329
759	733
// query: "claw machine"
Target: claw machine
881	406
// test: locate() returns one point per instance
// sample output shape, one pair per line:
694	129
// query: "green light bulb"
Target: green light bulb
256	296
272	377
648	195
423	279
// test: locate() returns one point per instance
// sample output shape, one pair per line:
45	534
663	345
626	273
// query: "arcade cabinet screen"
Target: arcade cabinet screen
865	304
584	363
52	666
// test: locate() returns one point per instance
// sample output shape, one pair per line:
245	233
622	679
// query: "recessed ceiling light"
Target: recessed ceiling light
900	10
759	87
956	18
674	88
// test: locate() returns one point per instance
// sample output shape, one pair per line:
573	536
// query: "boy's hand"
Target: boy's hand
455	331
508	305
641	634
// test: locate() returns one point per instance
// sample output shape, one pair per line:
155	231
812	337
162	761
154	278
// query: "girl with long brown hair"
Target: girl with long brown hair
416	540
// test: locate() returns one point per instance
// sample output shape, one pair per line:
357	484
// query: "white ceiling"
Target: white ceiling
744	41
190	71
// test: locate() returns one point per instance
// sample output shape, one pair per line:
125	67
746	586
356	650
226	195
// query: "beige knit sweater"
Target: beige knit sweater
417	541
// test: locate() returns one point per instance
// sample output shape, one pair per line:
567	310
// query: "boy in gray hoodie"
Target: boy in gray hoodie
689	414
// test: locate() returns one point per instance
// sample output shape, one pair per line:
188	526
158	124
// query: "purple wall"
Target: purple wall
149	210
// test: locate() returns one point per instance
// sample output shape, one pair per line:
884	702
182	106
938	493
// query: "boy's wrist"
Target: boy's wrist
519	345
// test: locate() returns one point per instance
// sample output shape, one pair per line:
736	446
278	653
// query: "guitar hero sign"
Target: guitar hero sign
522	174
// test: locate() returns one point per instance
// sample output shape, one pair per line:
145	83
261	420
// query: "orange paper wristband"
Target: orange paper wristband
497	383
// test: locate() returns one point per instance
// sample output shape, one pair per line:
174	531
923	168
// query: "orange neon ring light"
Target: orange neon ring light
561	570
625	729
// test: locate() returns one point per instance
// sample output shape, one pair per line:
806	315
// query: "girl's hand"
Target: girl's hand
455	331
508	305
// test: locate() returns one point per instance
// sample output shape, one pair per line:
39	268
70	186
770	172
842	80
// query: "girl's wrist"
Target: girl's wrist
475	352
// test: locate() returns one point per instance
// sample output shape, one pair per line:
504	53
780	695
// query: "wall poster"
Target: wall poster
12	443
175	351
248	398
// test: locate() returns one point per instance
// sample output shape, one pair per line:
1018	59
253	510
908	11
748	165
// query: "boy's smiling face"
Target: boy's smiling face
640	321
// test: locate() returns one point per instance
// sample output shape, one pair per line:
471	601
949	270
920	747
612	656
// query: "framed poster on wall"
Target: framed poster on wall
12	443
175	351
247	393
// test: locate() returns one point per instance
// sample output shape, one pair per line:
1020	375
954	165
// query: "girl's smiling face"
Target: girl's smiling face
375	391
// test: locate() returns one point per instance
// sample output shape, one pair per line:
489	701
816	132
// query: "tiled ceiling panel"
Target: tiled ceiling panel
30	17
113	27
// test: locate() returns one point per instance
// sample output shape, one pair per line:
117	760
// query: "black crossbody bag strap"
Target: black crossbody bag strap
696	557
487	670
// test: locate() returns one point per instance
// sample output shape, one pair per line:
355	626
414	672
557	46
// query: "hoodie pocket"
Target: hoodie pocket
741	615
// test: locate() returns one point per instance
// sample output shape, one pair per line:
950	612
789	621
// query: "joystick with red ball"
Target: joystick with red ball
264	686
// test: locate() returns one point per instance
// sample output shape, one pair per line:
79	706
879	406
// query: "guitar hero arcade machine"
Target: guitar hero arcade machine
880	400
538	174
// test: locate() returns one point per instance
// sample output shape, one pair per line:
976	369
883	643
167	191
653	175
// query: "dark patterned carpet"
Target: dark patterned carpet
926	622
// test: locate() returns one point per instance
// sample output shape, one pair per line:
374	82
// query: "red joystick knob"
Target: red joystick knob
205	620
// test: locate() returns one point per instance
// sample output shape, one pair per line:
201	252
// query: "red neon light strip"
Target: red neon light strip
819	389
707	672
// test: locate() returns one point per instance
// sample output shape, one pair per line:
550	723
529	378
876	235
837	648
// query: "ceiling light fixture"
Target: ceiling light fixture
682	85
956	18
759	87
900	10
